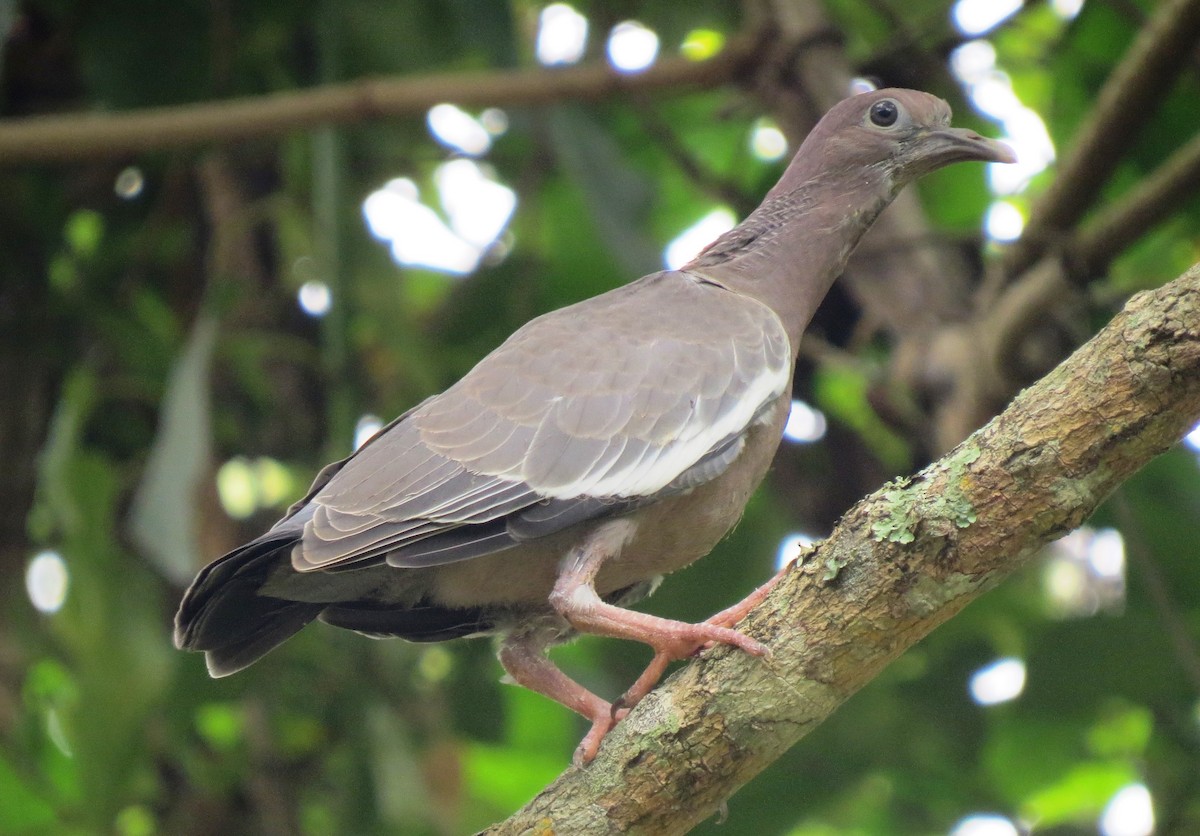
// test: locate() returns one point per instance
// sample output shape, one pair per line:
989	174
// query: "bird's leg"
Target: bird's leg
725	618
523	656
574	597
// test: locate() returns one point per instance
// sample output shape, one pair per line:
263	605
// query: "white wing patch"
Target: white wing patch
545	418
624	430
650	475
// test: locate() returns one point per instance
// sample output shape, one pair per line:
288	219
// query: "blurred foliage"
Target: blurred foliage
105	728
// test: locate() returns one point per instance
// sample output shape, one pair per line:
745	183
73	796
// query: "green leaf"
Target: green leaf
506	778
1124	731
841	392
83	232
1080	794
24	810
221	724
617	195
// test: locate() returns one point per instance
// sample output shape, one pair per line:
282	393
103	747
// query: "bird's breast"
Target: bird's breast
681	529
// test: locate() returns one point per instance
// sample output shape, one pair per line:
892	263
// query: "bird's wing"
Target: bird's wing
588	410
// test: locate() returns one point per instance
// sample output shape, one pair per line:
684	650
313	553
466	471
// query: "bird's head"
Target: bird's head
849	168
907	132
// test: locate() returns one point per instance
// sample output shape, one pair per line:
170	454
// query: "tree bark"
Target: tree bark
901	562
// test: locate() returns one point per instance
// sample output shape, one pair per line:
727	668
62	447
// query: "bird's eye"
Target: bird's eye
884	113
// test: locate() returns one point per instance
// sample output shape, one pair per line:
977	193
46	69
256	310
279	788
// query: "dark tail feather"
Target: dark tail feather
223	614
420	623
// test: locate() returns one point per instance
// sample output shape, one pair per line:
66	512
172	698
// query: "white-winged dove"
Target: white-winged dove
600	447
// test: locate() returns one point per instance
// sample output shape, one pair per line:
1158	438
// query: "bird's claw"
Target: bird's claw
686	640
586	751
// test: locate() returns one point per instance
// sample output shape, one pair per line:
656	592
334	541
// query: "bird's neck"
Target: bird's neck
791	249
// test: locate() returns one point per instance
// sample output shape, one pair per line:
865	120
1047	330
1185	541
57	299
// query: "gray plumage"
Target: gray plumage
545	427
601	446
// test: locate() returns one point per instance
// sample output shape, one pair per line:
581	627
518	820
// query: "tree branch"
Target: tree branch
899	563
1137	86
719	188
61	138
986	353
1148	204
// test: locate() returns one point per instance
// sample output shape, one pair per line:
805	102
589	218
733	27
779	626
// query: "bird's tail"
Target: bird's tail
223	614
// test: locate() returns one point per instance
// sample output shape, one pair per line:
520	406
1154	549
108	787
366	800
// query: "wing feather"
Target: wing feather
587	411
486	444
598	415
482	503
613	451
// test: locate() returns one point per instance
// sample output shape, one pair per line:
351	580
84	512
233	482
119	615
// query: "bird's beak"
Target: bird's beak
950	145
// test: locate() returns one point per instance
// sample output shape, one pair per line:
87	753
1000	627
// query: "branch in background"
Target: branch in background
984	356
719	188
986	353
1148	204
61	138
900	563
1132	93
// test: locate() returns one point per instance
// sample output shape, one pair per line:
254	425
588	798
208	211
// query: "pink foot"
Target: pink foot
601	726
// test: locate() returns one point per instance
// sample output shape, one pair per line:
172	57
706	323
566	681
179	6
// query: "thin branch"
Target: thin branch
60	138
986	352
1130	96
1009	312
1038	296
901	562
708	181
1152	201
988	369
